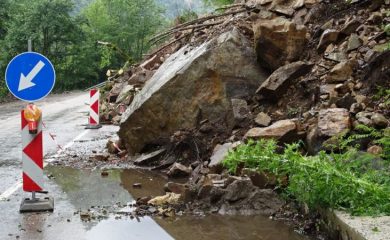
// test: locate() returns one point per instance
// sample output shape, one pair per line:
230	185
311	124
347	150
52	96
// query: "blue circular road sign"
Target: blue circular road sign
30	76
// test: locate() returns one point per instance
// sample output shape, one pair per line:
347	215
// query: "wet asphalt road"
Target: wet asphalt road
64	116
76	190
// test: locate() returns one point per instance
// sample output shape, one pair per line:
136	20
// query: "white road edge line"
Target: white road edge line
7	193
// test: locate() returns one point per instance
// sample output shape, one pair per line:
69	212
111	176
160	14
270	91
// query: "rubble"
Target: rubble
316	69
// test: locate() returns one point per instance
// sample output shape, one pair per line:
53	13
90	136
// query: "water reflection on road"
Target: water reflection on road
86	189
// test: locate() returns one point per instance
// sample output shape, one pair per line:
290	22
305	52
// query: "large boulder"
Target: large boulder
194	84
279	41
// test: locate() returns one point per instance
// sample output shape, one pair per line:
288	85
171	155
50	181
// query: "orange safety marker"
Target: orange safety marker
94	110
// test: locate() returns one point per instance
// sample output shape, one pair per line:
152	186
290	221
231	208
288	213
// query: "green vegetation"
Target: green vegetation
351	181
84	38
218	2
68	34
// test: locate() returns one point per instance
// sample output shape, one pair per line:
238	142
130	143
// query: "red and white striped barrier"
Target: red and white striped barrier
94	110
32	157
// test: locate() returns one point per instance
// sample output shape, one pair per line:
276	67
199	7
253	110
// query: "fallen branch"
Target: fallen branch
196	21
230	6
170	43
194	27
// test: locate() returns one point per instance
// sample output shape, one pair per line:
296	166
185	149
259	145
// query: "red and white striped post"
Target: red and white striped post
94	121
32	158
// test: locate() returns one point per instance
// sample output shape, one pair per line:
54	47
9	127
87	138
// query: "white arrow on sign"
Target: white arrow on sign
26	81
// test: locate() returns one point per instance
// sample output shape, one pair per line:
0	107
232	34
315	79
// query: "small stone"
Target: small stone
354	42
341	72
112	147
169	198
346	101
375	18
263	120
137	185
336	56
239	189
355	108
333	121
324	97
219	154
350	27
379	120
375	150
328	36
175	187
102	157
281	130
147	159
143	200
240	111
179	170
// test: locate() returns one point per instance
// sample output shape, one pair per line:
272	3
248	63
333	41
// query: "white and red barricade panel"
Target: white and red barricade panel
94	107
32	157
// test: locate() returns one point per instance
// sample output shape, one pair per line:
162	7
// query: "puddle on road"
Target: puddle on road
85	188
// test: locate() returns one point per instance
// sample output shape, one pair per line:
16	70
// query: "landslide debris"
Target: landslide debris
288	70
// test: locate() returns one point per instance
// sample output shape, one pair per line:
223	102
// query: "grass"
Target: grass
347	181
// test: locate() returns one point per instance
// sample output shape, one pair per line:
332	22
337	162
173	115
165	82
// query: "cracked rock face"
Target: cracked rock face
194	84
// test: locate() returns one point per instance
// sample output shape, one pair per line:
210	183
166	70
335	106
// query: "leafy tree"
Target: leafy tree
54	33
126	24
68	32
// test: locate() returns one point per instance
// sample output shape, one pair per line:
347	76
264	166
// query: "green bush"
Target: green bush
325	181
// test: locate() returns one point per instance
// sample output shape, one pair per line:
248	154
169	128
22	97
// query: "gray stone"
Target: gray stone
263	120
240	111
354	42
239	189
193	84
282	78
379	120
146	159
219	154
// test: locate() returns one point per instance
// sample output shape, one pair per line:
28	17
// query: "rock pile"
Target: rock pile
288	70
